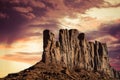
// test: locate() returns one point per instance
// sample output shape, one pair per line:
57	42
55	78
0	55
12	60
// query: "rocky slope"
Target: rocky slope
71	57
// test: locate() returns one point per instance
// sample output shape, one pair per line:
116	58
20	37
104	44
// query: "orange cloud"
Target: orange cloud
25	12
23	9
5	46
21	40
29	16
33	3
115	63
117	21
2	47
30	58
25	50
82	23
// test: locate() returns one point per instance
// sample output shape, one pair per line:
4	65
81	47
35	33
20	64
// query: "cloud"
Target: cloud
110	3
37	4
110	29
3	16
30	58
34	34
23	9
26	53
33	3
25	12
114	30
82	5
50	26
107	29
115	63
29	16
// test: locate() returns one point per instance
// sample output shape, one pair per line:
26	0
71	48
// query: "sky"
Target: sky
22	23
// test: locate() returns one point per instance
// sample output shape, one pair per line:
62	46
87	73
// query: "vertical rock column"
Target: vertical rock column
101	57
85	52
74	48
48	46
92	55
105	60
69	47
64	46
51	53
97	58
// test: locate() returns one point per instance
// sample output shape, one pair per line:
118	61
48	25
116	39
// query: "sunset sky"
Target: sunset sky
23	21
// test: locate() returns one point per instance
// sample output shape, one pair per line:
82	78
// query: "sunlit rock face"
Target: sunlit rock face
73	51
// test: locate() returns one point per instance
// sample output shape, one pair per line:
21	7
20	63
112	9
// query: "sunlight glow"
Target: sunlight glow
33	45
13	67
104	13
82	23
69	23
113	2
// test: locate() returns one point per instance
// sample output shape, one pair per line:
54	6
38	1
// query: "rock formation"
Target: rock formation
71	57
73	51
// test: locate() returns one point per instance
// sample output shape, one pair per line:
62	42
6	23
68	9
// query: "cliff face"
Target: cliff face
73	51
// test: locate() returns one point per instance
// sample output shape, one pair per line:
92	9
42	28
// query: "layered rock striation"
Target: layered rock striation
74	52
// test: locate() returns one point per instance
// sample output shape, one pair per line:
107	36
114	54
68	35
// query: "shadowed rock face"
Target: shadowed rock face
72	57
73	51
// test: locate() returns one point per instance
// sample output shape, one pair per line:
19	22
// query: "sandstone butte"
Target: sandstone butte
71	57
